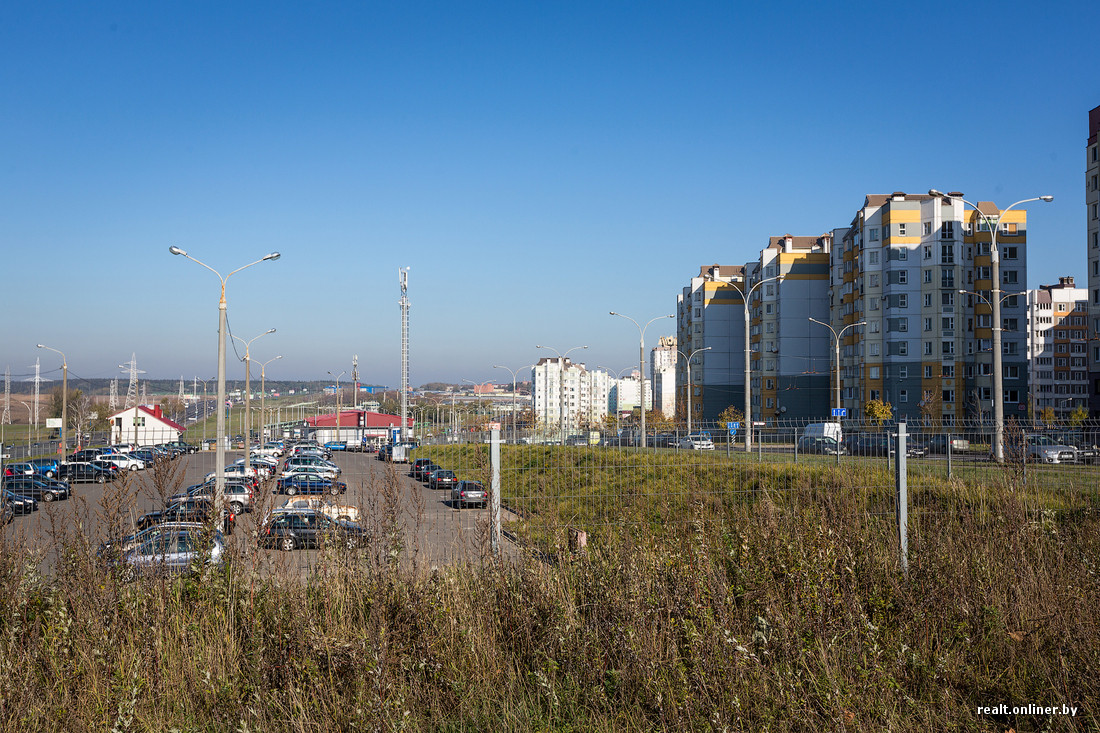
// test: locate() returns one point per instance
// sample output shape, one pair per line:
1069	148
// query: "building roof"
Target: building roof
351	419
154	413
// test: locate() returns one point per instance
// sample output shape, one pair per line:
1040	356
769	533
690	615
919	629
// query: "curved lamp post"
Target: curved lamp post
64	396
687	359
263	395
836	349
248	396
219	460
995	303
745	296
513	372
641	364
338	402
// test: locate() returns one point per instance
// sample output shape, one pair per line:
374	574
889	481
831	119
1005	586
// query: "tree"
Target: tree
1048	415
730	414
1078	416
931	406
54	408
173	408
658	421
877	411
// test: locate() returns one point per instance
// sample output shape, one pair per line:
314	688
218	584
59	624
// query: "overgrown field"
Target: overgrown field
782	608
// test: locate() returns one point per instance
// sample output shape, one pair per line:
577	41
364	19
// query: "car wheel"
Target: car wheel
291	490
237	507
133	467
287	544
334	489
47	497
101	479
50	474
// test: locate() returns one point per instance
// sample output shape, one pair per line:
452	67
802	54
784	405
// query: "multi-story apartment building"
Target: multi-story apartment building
624	397
790	354
1057	333
574	398
710	312
916	269
1092	213
662	375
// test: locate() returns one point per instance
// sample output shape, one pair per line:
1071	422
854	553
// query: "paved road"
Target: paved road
428	530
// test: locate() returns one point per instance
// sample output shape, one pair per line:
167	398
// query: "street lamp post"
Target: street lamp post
248	396
263	396
641	364
204	410
477	393
514	372
64	396
561	385
219	459
745	296
687	359
995	302
836	349
338	405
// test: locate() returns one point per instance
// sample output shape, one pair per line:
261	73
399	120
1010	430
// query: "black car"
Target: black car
21	504
187	510
442	479
291	530
37	487
302	483
820	445
424	470
87	454
81	471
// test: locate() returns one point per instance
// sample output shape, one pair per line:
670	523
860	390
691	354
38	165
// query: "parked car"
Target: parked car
183	446
417	464
37	487
441	478
938	443
21	504
307	484
465	493
294	529
313	462
187	510
83	471
123	461
174	551
112	549
821	446
19	469
697	441
340	512
662	440
233	470
334	445
1044	449
45	466
87	454
425	470
238	494
1087	450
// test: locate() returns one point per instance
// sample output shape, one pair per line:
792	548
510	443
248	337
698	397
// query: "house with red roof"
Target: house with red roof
144	425
356	426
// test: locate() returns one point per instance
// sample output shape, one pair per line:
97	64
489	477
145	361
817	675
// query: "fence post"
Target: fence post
494	491
902	485
949	455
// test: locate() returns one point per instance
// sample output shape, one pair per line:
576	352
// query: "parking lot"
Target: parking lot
405	519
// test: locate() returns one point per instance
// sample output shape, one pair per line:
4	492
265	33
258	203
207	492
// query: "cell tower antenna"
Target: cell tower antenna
38	379
403	274
6	419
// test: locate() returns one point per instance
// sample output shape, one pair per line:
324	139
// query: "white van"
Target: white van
824	430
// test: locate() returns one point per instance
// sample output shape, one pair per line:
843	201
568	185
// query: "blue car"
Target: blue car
336	445
309	484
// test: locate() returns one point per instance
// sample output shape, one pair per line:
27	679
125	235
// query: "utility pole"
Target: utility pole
403	275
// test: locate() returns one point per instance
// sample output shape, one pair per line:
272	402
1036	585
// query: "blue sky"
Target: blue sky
535	164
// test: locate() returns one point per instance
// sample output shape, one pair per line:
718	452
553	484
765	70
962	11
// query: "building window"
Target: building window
947	371
872	258
927	276
947	278
1011	253
873	374
901	230
948	395
948	348
927	252
927	348
872	234
927	228
903	396
928	300
927	324
947	230
1010	277
948	323
928	372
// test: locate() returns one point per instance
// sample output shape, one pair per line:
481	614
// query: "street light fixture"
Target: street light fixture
561	384
995	303
205	409
248	396
837	335
746	295
478	395
641	365
687	359
219	459
64	396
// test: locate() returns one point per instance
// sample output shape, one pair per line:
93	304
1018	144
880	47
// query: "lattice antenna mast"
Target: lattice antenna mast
145	393
37	381
181	390
132	389
6	419
403	275
113	400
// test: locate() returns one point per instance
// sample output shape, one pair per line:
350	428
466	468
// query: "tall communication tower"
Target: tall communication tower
113	400
6	419
403	274
37	381
181	390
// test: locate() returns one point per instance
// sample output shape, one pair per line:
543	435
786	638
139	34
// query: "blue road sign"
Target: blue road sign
840	412
732	427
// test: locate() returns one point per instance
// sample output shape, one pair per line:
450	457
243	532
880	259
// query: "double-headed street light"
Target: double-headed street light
248	396
837	335
513	372
746	295
64	395
338	401
263	395
687	360
561	384
205	409
995	302
219	459
641	365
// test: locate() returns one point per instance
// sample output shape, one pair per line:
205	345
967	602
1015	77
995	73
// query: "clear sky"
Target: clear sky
535	164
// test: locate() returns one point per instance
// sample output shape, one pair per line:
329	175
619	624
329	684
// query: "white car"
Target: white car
325	472
124	462
340	512
236	469
696	441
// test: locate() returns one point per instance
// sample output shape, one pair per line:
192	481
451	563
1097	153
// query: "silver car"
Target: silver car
468	492
174	551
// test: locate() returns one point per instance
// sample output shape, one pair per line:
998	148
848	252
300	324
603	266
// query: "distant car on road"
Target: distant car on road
442	479
938	443
822	445
697	441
